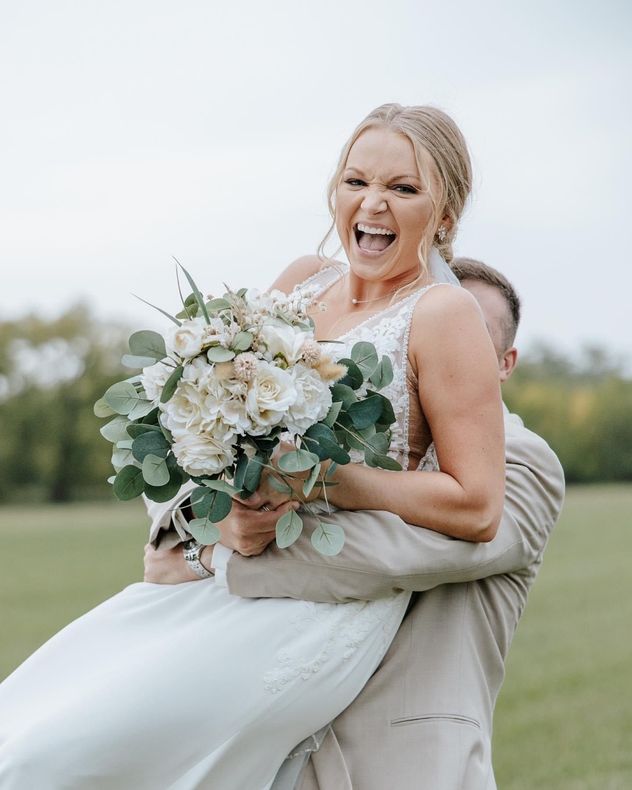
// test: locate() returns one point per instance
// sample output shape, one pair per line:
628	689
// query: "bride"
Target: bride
185	686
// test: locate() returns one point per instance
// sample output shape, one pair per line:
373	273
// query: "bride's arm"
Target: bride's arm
459	392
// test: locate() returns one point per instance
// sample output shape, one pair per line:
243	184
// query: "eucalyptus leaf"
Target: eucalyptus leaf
124	444
115	430
155	471
365	412
353	377
147	343
328	539
215	305
111	479
122	457
150	443
279	485
332	414
171	384
365	357
166	492
252	477
133	361
240	472
309	484
122	397
221	485
297	461
152	417
379	443
203	531
140	409
137	428
214	505
382	376
386	462
129	483
102	409
242	341
288	529
344	394
220	354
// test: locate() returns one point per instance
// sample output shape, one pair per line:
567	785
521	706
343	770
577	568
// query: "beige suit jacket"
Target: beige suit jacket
424	720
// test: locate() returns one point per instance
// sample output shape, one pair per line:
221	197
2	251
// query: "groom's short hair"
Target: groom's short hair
471	269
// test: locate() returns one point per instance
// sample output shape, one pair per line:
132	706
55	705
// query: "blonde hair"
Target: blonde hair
432	134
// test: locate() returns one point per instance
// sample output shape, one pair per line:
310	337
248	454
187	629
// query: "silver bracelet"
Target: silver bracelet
191	551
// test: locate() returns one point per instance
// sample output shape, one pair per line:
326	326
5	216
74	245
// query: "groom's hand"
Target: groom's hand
248	530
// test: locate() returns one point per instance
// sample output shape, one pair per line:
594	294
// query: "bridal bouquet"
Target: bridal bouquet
235	381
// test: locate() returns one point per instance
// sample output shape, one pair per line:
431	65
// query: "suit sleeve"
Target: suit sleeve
383	554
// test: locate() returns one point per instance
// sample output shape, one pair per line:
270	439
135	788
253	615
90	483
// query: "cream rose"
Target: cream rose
313	400
186	340
203	454
270	394
154	378
284	340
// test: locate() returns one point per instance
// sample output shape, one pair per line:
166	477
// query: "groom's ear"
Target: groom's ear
507	363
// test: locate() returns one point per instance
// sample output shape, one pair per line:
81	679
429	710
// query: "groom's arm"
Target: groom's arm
383	554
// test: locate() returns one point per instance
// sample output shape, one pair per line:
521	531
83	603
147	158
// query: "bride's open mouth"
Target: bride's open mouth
373	238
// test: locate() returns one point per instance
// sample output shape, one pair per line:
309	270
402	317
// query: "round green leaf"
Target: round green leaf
131	361
242	341
382	376
344	394
386	462
150	443
102	409
115	430
365	357
220	354
155	471
328	539
365	412
147	343
353	377
203	531
122	397
288	529
297	461
129	483
140	409
122	457
214	305
309	484
135	429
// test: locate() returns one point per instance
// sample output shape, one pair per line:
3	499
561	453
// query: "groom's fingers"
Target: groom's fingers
248	531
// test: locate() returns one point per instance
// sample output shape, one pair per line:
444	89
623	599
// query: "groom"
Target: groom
424	719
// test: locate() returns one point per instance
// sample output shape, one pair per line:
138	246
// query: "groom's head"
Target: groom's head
500	305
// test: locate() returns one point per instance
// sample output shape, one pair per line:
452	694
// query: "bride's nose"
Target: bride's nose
374	201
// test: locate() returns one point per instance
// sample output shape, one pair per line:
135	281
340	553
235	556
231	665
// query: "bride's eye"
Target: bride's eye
355	182
405	189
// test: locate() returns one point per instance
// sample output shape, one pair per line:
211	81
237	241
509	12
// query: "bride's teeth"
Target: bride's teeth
381	231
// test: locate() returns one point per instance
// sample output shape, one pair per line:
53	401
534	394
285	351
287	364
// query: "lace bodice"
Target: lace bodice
389	331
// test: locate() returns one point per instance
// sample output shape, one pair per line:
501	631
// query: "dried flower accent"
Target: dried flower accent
245	366
224	370
311	353
329	370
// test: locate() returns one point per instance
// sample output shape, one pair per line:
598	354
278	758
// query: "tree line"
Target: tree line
53	370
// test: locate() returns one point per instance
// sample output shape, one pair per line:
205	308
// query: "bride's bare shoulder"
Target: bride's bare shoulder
299	271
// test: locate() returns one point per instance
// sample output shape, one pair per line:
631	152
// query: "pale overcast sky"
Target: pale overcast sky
140	129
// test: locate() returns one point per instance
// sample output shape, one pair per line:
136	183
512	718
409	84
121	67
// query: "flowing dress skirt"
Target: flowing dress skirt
185	686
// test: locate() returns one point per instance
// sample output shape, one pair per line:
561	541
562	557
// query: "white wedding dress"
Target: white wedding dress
186	686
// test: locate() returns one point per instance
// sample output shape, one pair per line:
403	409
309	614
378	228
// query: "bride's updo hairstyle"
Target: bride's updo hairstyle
435	136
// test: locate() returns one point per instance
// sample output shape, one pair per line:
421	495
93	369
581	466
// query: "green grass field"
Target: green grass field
564	719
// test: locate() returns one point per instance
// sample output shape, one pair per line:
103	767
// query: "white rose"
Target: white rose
312	403
188	410
186	340
284	340
154	378
270	394
203	454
